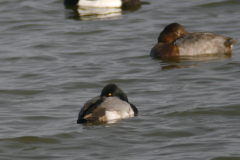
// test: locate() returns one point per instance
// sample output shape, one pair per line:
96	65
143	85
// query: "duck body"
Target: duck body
175	41
112	104
103	3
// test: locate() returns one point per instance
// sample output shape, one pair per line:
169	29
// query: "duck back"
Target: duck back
204	43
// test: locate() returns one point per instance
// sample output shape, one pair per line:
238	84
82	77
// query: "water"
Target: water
53	59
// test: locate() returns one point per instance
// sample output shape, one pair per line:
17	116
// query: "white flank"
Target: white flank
112	115
100	3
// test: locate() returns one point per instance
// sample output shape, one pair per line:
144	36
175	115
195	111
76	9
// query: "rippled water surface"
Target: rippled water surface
53	59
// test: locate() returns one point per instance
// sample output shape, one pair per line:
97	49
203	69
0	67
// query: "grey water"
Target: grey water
53	59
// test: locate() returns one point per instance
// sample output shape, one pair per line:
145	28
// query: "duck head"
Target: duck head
112	90
171	32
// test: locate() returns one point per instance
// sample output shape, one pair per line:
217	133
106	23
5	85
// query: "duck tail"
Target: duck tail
233	41
229	44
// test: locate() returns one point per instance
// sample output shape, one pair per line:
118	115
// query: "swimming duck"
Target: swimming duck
112	104
104	3
174	40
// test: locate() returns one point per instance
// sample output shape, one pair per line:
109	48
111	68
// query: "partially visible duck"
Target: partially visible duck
104	3
174	40
112	104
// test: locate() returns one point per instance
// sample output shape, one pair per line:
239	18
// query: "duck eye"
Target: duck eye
109	94
177	33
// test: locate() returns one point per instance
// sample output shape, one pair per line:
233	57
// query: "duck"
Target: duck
112	104
104	3
174	40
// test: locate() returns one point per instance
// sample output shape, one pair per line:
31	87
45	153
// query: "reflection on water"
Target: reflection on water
102	123
173	62
106	122
91	13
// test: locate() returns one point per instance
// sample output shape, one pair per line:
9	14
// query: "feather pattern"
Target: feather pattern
112	104
203	43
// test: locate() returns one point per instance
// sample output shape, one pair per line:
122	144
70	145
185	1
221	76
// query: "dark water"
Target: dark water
53	59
